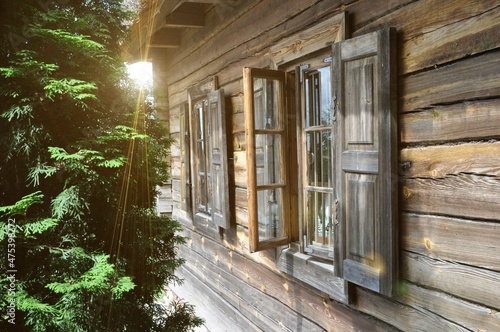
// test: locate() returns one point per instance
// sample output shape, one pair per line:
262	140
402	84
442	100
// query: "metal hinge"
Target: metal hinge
336	211
334	111
302	68
308	250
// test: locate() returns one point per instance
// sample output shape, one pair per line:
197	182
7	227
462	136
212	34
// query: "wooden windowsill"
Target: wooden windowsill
313	272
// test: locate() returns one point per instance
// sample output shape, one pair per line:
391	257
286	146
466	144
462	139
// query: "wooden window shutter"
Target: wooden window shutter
184	147
266	142
366	153
218	159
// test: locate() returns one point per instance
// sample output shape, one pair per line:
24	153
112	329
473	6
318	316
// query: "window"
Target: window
317	158
208	153
266	158
343	101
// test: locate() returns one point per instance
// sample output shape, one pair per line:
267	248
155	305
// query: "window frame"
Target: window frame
249	74
196	94
321	59
367	184
215	157
292	259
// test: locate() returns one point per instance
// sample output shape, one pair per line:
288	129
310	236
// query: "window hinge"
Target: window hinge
335	211
302	68
308	250
334	110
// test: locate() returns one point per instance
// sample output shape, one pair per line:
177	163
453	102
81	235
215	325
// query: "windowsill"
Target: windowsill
313	272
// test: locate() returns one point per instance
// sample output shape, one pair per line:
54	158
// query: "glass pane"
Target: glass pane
319	158
319	219
268	159
270	214
318	163
267	95
214	132
200	139
318	98
203	192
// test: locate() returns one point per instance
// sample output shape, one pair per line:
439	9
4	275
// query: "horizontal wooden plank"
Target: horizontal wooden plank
466	314
265	312
252	52
313	272
429	42
309	40
312	303
462	195
468	242
217	313
217	19
240	168
471	78
403	317
445	160
457	122
470	283
227	37
175	168
477	34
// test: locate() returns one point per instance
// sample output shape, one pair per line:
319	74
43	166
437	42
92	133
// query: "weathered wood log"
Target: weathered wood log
401	316
433	41
209	305
439	162
473	243
458	122
463	195
467	282
311	303
472	78
266	312
471	316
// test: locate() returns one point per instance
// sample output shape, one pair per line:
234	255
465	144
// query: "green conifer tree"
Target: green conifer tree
80	159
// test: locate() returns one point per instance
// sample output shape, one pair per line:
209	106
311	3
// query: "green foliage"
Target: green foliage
69	204
80	165
21	206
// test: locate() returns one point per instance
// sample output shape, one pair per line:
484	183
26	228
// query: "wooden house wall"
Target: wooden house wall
449	192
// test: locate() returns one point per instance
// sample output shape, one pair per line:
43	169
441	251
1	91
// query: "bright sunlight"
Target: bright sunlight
141	73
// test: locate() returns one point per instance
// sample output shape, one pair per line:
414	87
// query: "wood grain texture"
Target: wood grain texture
449	88
404	318
471	78
462	195
467	242
467	282
476	34
451	29
265	312
311	303
453	309
463	121
313	272
439	162
208	304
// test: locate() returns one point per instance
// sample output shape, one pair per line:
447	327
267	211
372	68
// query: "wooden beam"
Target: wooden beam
165	38
215	2
180	19
463	281
468	242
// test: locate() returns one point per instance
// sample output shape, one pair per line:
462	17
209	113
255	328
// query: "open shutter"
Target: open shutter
366	152
218	159
199	165
266	141
184	147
